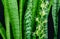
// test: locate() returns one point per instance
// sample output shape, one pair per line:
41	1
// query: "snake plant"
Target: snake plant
7	22
28	19
55	9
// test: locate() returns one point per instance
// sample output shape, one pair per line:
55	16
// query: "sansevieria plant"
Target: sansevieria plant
28	19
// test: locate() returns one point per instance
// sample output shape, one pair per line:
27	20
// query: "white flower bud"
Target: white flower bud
43	13
37	19
42	5
47	3
45	21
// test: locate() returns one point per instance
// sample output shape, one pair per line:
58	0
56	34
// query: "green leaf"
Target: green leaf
55	17
2	31
7	20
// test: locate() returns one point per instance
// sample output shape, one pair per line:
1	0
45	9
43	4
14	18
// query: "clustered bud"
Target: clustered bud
40	27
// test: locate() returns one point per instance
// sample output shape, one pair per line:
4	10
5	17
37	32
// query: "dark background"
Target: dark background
50	22
1	16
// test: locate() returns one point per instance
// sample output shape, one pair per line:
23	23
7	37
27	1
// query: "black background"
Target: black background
50	22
